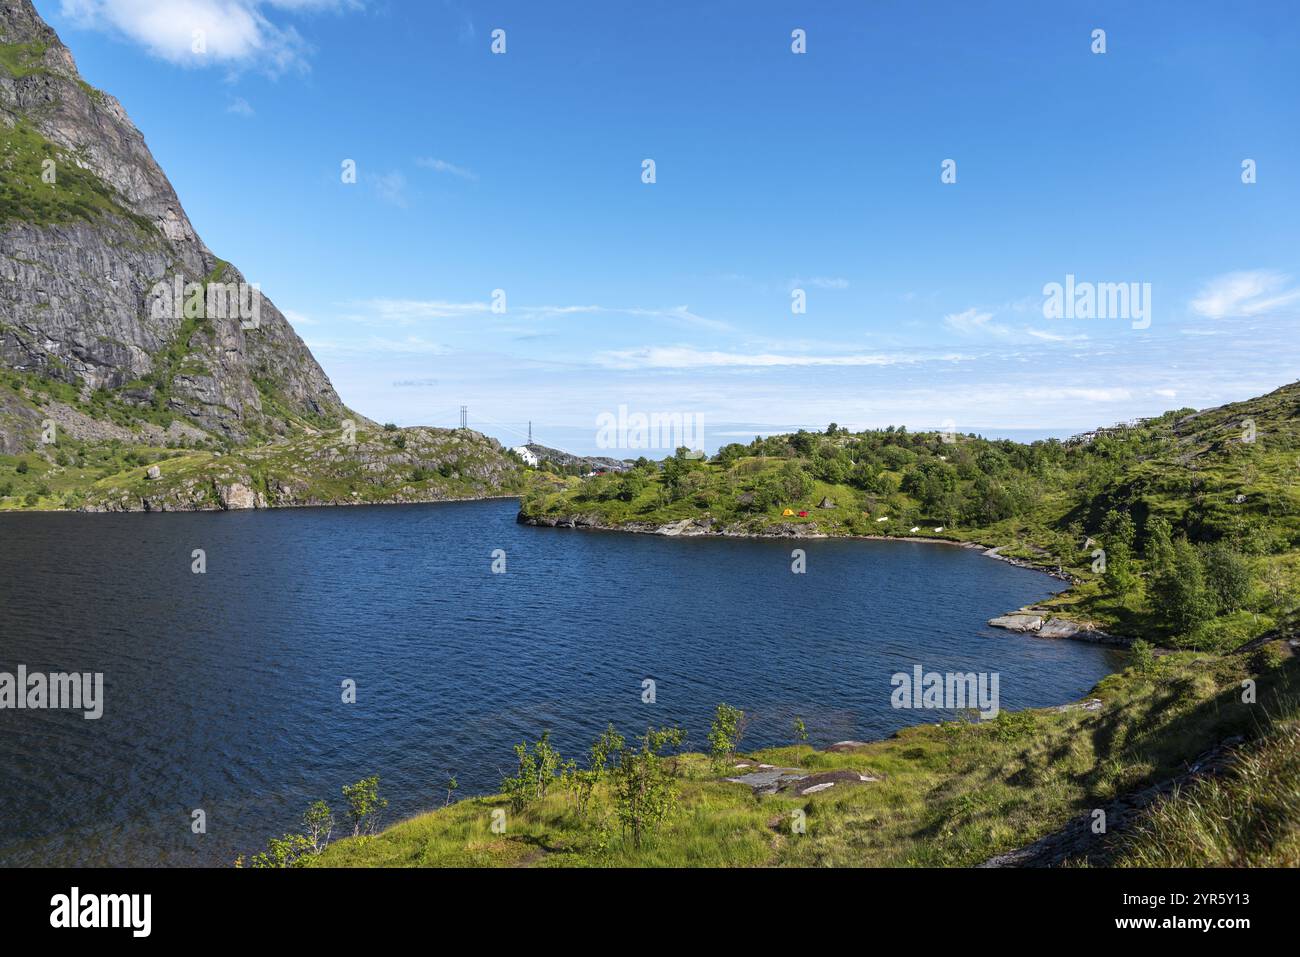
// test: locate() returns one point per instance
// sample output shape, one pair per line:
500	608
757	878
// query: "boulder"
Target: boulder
1018	622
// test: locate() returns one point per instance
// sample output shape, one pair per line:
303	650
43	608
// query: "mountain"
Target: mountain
89	226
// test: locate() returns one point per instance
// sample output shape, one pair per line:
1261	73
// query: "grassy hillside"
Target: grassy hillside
1206	499
402	465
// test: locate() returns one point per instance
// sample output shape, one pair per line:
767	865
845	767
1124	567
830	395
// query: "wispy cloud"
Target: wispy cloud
1241	295
414	311
685	357
1054	336
198	33
442	166
820	282
975	322
391	188
240	107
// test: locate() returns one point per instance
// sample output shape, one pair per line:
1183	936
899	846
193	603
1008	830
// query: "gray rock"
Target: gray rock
75	295
1018	622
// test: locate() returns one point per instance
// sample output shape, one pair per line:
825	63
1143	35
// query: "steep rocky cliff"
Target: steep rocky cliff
89	226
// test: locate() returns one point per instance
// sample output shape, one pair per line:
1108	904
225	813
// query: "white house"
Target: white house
525	453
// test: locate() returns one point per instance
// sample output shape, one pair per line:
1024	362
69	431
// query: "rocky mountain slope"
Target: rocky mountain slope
89	225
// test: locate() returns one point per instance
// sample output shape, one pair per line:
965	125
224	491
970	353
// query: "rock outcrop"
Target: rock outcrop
89	226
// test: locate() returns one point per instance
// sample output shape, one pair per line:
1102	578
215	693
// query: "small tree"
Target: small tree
1120	577
583	782
1143	656
364	805
1159	550
1179	589
800	729
1228	576
537	769
726	732
318	823
452	785
645	788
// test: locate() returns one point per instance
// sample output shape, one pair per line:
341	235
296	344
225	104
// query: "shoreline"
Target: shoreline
1056	627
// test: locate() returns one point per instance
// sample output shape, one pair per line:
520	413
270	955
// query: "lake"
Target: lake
222	691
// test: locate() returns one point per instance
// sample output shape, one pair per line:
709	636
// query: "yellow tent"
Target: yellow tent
788	511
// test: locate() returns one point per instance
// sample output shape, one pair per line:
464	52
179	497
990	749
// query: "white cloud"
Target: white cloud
821	282
412	311
234	33
1241	295
1054	336
1081	395
972	322
240	107
442	166
683	357
378	346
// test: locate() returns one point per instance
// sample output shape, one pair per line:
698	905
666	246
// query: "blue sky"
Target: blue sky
774	171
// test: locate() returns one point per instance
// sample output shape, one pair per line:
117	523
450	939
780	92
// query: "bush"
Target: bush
1268	657
726	732
1228	576
1142	656
645	788
537	769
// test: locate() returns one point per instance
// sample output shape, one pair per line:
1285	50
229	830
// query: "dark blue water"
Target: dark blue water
223	690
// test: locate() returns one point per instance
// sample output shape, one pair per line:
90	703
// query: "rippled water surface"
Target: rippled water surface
223	690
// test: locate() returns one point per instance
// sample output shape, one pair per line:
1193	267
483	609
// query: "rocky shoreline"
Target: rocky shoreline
1025	621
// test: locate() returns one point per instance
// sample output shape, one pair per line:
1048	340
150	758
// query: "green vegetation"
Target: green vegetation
312	469
27	161
1248	817
954	794
22	59
1184	528
364	808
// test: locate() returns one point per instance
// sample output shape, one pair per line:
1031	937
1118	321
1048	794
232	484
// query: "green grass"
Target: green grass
76	193
953	794
22	59
1248	817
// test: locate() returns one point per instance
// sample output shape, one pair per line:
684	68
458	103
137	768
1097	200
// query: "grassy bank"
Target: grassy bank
953	794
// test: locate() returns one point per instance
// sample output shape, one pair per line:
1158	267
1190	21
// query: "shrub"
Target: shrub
537	768
364	805
726	732
644	787
1143	657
